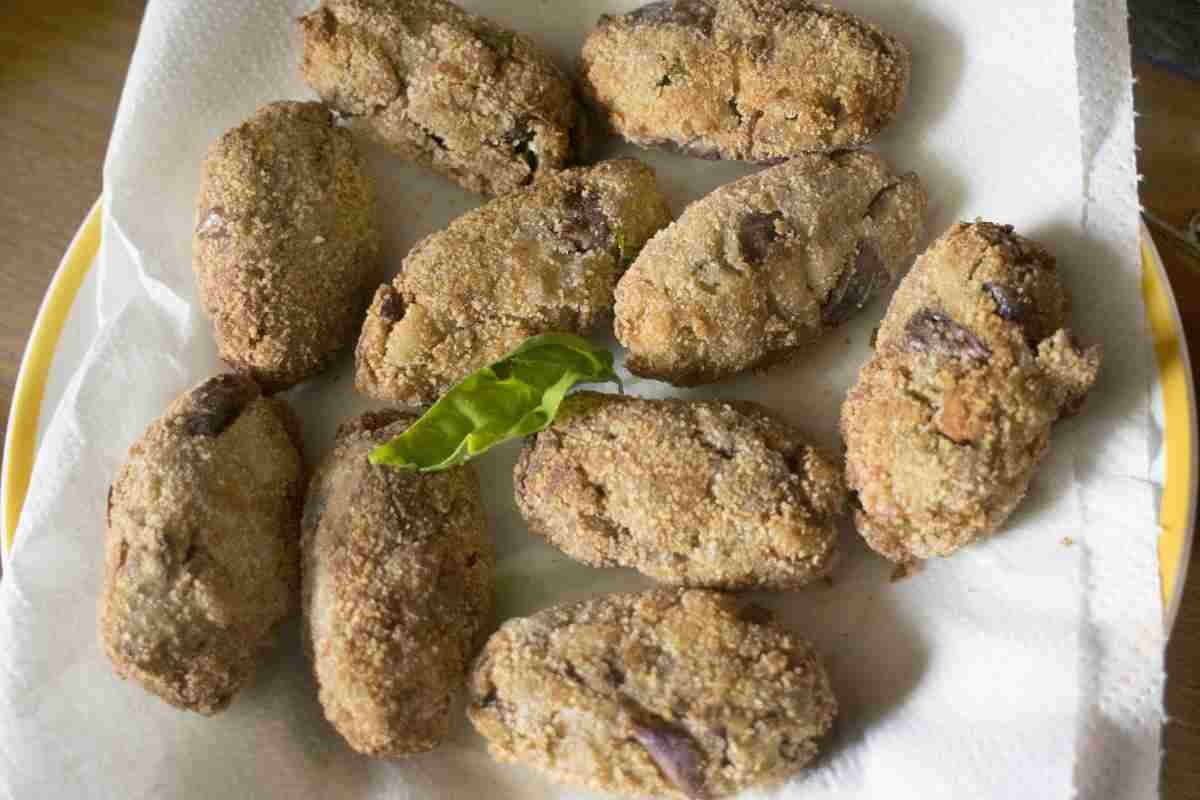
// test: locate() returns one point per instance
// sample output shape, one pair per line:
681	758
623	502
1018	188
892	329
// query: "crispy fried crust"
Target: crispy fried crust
760	267
665	693
1003	287
201	550
703	494
544	259
453	91
949	420
285	248
754	80
397	583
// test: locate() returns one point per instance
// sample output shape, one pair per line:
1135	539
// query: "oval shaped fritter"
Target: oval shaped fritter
665	693
704	494
285	247
952	415
201	551
544	259
482	105
762	266
754	80
397	582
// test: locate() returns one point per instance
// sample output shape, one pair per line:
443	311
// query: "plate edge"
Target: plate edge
1177	509
20	444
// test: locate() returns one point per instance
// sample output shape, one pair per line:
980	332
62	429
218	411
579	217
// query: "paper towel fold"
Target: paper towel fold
1019	668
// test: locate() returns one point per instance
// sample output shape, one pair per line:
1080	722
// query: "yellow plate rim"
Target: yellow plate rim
1177	513
1179	492
20	444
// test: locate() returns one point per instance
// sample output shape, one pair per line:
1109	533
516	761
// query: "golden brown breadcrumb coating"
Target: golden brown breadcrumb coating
760	267
202	544
753	80
397	582
696	493
482	105
546	258
950	418
664	693
286	249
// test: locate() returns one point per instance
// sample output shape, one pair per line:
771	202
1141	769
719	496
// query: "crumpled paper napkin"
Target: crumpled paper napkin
1020	668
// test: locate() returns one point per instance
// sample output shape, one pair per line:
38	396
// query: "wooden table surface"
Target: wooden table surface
62	64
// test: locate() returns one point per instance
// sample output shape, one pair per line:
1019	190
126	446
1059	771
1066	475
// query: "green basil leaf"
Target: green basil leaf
514	397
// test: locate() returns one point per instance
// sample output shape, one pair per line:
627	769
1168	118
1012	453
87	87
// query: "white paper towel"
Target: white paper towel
1020	668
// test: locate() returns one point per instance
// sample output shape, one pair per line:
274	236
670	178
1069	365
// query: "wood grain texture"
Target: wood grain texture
62	64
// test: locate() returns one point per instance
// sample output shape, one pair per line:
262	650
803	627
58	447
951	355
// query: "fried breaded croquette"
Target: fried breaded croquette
663	693
950	418
202	544
762	266
544	259
752	80
397	569
286	249
451	90
696	493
